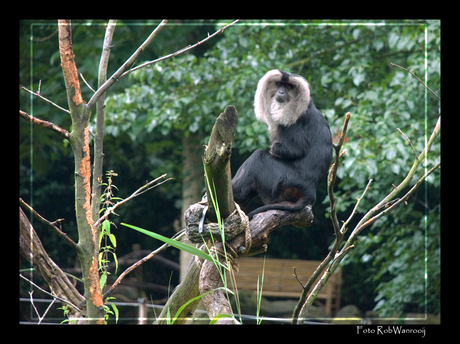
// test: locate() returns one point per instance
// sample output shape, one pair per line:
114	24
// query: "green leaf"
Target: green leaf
105	230
116	261
115	311
106	226
172	242
103	280
218	316
99	258
113	240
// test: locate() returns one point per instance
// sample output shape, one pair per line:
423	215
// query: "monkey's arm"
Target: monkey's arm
285	152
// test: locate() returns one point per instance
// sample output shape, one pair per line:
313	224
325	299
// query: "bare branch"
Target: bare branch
129	62
43	98
412	72
183	50
136	193
413	148
52	295
408	177
86	82
40	318
359	228
99	137
344	226
51	225
305	299
333	173
44	124
297	277
178	236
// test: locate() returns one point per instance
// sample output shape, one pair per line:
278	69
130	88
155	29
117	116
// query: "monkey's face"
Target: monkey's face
283	92
281	98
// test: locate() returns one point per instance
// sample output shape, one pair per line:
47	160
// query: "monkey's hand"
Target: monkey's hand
282	151
275	149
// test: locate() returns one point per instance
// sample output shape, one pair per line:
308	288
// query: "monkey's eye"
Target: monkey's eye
289	87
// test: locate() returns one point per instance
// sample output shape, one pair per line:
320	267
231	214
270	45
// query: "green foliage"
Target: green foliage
114	311
104	233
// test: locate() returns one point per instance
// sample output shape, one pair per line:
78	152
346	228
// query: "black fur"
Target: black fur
298	160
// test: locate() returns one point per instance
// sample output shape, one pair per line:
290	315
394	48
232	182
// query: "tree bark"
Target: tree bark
32	250
79	141
185	291
214	297
99	134
217	164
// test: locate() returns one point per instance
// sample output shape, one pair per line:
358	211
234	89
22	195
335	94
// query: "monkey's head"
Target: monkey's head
281	98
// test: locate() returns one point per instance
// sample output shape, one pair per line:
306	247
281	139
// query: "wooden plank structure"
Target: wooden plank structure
279	280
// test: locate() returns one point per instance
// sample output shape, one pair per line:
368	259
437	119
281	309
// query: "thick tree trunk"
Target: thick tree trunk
79	141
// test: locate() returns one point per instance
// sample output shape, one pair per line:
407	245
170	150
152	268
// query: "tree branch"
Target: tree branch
45	124
333	173
349	244
412	72
180	51
51	225
410	142
129	62
43	98
32	250
99	136
69	68
408	178
260	227
52	295
40	318
177	237
303	301
216	163
136	193
390	208
334	257
344	226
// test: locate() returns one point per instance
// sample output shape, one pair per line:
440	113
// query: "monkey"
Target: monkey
286	176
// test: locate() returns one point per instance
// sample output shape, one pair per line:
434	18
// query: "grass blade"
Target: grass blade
174	243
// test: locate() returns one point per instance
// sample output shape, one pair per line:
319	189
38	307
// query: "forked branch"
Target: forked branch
128	64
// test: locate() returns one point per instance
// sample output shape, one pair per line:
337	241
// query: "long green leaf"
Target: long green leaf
217	317
172	242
